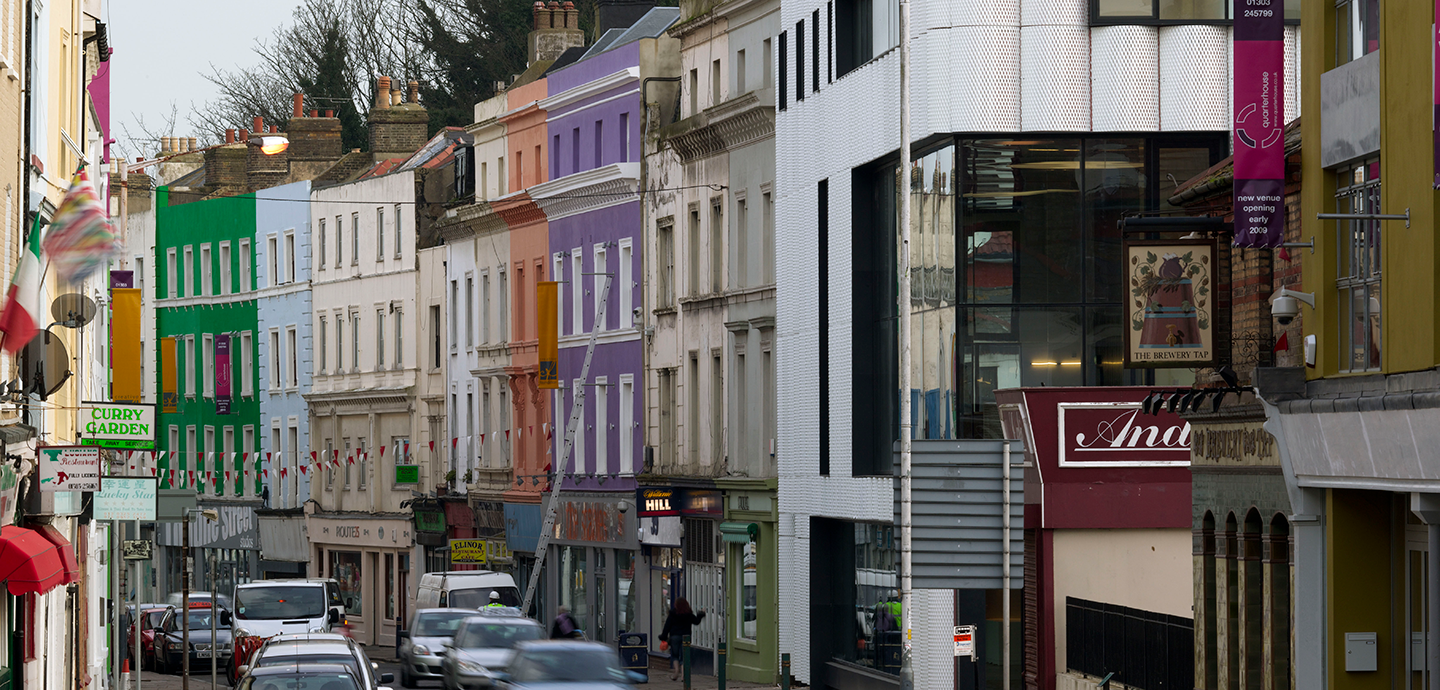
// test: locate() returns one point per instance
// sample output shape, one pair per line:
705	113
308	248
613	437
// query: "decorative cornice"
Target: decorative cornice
479	218
590	89
509	115
517	209
725	127
588	190
683	29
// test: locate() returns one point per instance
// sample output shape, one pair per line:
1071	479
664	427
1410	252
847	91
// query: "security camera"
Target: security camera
1285	305
635	312
624	506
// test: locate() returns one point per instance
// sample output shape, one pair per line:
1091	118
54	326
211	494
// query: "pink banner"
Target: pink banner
1259	136
222	373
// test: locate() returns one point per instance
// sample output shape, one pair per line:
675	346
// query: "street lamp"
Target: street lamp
214	516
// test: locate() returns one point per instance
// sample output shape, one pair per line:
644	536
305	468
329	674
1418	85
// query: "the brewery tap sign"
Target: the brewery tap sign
1259	134
1118	434
1170	307
69	468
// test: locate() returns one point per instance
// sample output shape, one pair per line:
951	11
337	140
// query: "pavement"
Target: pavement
659	679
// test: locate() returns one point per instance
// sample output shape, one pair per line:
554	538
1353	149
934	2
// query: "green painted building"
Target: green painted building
205	288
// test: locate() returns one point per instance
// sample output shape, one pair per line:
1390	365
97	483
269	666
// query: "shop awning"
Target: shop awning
739	532
65	550
29	563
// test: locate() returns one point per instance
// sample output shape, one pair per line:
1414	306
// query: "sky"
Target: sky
163	47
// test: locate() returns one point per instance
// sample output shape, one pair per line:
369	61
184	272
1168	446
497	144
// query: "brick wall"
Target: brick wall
314	138
226	166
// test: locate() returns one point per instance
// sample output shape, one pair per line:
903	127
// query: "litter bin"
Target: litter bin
635	653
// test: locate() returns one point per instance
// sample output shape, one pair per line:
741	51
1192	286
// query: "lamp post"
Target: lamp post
214	516
214	616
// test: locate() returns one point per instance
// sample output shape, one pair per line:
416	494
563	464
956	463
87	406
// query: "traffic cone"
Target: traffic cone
125	673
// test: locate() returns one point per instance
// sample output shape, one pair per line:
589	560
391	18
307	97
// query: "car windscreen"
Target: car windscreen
483	635
280	660
439	623
304	681
480	596
566	664
200	620
280	602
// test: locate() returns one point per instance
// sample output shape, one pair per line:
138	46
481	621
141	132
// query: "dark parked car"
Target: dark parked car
169	644
567	665
150	618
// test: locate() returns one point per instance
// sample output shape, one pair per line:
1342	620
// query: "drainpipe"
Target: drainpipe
645	324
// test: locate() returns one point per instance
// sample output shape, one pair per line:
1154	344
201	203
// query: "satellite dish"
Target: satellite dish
44	365
72	310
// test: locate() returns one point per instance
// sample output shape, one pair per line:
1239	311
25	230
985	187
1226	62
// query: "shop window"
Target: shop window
345	568
1358	191
1104	12
747	608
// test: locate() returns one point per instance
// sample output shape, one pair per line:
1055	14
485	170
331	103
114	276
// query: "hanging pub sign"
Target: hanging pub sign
222	373
1259	125
1171	306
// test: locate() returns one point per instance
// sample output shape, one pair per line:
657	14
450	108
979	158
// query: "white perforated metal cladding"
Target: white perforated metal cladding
981	12
1055	13
1194	78
1055	78
1292	73
1125	79
979	72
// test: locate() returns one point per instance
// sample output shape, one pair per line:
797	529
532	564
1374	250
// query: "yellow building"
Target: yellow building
1359	424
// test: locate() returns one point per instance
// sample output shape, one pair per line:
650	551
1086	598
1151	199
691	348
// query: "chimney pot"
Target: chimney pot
244	136
259	125
329	113
572	16
382	93
190	144
557	19
542	20
164	144
314	113
229	136
414	88
299	101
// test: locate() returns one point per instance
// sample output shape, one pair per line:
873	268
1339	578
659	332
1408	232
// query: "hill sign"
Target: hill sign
117	425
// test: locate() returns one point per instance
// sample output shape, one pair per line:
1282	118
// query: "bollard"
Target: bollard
686	661
784	672
720	666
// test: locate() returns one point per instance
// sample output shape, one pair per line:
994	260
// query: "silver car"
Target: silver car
423	644
484	646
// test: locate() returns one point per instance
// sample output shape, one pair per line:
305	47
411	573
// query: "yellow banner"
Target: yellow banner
548	327
125	367
467	551
169	391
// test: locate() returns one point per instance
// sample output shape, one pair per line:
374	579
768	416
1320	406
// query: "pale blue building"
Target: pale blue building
282	266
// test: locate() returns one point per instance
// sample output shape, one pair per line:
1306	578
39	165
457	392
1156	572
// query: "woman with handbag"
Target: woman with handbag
677	627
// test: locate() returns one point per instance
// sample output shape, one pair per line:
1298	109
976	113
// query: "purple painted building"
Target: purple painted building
595	113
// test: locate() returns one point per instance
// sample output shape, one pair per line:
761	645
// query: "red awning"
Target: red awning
66	551
29	563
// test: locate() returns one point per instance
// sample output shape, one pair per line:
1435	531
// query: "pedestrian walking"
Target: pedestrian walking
564	625
677	627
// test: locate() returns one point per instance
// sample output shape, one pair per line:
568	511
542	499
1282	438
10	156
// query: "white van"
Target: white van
465	589
266	608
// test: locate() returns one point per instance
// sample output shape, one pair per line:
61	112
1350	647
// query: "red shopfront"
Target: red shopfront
1107	537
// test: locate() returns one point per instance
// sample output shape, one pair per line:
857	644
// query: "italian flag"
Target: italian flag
20	320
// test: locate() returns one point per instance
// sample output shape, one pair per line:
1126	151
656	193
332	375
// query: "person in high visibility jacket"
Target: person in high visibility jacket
494	600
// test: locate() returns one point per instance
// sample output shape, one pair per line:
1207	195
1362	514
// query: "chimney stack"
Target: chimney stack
557	28
382	93
314	141
397	128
